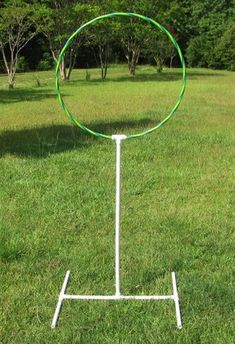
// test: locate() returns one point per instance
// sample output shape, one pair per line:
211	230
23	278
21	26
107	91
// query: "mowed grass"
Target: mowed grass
57	208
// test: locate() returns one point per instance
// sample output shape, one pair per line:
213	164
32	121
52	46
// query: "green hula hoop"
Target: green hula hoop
110	15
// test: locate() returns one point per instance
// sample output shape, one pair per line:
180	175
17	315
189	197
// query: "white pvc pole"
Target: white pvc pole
117	217
118	139
176	299
60	300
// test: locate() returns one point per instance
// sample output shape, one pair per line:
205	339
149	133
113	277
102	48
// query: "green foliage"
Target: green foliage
225	50
196	52
210	29
18	22
203	30
22	65
46	63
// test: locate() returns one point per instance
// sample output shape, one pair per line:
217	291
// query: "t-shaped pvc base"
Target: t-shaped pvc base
118	296
63	296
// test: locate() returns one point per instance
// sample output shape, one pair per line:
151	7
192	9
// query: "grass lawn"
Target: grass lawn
57	193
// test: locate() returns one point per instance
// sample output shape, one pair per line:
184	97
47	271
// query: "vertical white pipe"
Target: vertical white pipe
118	139
176	299
60	300
117	219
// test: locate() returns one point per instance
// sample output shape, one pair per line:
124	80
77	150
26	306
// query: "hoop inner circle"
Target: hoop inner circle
110	15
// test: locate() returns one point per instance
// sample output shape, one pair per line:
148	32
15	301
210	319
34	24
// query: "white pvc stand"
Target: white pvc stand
117	296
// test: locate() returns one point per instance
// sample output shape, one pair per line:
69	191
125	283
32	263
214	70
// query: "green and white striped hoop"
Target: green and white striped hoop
110	15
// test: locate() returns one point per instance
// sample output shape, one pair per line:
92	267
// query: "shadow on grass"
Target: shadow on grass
146	77
40	93
139	77
44	141
25	94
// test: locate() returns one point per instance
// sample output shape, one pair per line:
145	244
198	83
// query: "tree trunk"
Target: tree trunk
134	58
132	53
62	65
106	56
132	68
105	71
11	81
72	60
10	67
65	72
159	61
103	57
11	74
62	70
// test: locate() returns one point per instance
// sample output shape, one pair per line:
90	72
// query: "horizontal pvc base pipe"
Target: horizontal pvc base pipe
118	298
64	296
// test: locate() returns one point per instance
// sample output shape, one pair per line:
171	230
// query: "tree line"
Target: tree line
33	32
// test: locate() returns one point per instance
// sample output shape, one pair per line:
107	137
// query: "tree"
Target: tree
102	34
133	35
61	18
197	51
18	25
225	50
160	48
133	32
99	38
137	35
208	21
